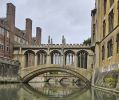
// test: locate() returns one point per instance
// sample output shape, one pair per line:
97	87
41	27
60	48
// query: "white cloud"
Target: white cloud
56	17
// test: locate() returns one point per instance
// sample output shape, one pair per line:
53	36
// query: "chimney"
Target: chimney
38	35
11	24
29	30
11	16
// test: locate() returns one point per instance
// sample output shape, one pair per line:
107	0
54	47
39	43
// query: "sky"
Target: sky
71	18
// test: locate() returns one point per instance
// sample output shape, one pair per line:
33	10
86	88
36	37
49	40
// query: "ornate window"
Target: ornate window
82	59
29	58
110	48
55	57
41	58
69	58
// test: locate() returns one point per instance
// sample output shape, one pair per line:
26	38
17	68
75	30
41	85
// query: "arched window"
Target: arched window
55	57
29	58
41	57
69	58
82	59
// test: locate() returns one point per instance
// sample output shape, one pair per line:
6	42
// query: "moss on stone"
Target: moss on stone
110	82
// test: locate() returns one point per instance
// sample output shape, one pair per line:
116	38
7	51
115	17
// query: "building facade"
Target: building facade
105	33
10	35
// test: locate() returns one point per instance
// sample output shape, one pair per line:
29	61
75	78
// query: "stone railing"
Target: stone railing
54	46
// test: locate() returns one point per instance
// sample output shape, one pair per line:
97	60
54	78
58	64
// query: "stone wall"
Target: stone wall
106	79
8	70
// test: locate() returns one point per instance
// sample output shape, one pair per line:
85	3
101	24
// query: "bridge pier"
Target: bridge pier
36	59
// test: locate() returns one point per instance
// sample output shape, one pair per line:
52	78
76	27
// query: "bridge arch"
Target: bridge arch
82	74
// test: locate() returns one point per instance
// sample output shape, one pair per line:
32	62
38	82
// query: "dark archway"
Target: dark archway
41	57
82	59
55	57
69	57
29	58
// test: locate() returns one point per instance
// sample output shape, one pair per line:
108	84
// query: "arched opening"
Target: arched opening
55	57
29	58
82	59
41	57
69	58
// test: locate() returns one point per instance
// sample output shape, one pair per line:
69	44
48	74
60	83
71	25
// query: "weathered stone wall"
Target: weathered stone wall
9	70
107	79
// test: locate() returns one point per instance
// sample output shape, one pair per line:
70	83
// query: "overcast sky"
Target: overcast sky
71	18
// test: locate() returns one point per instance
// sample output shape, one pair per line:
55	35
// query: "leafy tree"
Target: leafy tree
87	41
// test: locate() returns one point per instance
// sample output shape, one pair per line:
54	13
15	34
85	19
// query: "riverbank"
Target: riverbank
106	80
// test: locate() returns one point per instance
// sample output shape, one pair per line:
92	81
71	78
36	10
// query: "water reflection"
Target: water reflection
57	90
46	91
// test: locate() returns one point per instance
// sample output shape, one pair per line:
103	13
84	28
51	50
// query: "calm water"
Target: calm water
52	91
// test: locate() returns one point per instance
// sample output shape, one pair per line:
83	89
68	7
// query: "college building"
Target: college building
10	35
105	34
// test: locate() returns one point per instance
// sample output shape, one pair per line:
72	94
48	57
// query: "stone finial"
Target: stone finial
63	40
49	40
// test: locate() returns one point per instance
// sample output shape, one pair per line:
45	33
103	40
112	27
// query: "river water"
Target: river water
52	91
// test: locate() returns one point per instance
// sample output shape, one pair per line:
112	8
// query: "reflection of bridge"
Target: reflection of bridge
54	92
73	59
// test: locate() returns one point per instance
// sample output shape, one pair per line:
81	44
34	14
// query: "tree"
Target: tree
87	41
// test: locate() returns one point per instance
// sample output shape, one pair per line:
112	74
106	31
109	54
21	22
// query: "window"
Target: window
118	11
104	28
82	59
117	40
94	32
2	30
111	21
7	48
111	2
103	52
7	34
105	6
1	46
110	48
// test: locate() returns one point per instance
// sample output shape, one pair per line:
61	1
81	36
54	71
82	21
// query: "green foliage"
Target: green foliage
87	42
110	82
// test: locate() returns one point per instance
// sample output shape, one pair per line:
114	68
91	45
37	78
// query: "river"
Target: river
52	91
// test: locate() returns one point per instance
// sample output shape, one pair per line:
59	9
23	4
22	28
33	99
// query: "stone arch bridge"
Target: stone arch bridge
73	59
